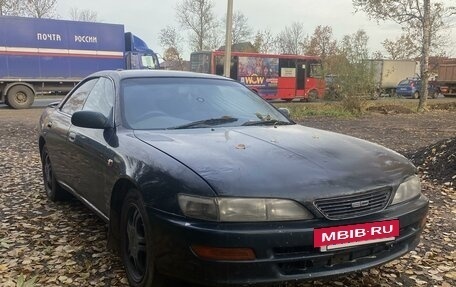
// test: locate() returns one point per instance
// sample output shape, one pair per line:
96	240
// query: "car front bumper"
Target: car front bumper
284	250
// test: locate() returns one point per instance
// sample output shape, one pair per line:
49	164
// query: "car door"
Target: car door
91	148
57	126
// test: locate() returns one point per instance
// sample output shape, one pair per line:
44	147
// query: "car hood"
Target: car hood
281	162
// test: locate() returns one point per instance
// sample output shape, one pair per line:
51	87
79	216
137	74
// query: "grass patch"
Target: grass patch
354	107
301	110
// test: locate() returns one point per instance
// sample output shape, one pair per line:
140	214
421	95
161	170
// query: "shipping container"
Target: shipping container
52	56
388	73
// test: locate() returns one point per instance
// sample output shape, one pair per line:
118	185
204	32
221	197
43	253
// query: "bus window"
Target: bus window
219	60
287	67
200	62
234	67
315	71
220	64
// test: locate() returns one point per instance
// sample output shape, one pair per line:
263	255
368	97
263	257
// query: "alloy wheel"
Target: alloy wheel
136	249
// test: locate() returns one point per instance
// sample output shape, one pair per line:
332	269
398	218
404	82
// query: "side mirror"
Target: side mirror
285	112
90	119
53	105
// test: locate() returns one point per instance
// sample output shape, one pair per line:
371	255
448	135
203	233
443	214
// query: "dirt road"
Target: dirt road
65	244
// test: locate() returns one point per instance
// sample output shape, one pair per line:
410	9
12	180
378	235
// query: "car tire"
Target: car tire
136	243
20	97
53	190
312	96
416	95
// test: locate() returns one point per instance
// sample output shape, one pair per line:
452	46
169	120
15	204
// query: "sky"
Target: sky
145	18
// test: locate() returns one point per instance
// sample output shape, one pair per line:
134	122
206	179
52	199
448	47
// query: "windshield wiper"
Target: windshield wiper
206	123
267	123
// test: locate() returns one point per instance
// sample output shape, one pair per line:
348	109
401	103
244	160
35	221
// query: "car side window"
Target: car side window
77	99
101	98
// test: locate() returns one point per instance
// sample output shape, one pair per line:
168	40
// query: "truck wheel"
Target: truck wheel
416	95
20	97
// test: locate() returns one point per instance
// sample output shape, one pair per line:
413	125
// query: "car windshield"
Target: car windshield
404	82
178	103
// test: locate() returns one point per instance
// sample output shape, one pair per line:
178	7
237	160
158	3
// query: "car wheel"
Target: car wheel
53	190
313	96
416	95
136	243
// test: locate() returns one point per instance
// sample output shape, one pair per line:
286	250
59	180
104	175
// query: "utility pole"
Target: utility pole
228	39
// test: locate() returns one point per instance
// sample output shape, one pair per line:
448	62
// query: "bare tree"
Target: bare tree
242	32
402	48
355	47
198	17
10	7
291	39
378	55
418	18
321	43
40	8
85	15
171	40
265	41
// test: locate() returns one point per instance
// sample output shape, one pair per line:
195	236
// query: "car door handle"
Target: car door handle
49	124
72	136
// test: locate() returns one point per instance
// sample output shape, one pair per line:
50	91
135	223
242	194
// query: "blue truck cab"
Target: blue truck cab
50	56
138	55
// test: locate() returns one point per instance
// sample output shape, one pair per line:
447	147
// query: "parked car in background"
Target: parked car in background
201	179
412	88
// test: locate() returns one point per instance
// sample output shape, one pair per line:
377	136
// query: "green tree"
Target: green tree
354	75
321	43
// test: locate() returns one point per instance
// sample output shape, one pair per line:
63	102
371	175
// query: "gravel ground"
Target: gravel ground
65	244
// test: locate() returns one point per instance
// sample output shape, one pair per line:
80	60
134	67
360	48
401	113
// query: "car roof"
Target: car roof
125	74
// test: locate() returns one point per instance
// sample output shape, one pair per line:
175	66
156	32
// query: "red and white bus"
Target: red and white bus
284	77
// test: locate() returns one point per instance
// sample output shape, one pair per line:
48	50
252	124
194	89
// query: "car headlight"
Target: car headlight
227	209
409	189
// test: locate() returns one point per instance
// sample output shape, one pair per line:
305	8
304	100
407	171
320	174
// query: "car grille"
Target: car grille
354	205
